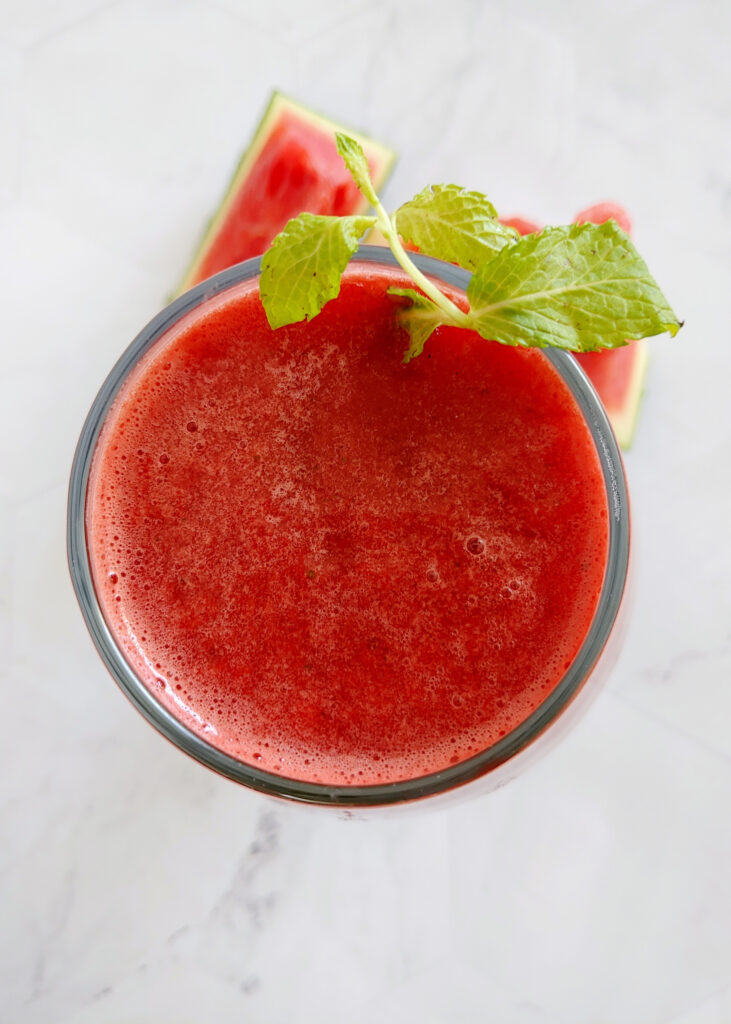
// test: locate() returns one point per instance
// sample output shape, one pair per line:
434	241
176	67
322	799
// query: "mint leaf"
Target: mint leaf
302	269
355	160
582	287
453	224
420	320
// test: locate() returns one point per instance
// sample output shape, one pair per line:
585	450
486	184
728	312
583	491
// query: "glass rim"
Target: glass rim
191	743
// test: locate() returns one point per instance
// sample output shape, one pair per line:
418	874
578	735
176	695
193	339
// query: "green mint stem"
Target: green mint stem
453	313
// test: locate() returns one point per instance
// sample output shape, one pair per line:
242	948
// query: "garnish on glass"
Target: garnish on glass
582	287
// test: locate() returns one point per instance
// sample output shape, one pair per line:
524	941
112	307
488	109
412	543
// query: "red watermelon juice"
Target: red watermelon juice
334	568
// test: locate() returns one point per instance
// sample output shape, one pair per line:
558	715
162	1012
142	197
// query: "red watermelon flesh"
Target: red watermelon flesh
609	376
521	225
297	171
601	212
291	167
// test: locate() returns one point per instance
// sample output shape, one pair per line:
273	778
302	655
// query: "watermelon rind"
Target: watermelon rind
624	418
381	157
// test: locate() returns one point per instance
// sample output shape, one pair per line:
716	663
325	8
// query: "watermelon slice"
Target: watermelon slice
521	225
600	212
291	166
618	375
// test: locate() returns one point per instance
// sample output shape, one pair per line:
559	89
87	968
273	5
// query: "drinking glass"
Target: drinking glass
492	766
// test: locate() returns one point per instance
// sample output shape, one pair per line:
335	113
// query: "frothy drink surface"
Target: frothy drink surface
335	566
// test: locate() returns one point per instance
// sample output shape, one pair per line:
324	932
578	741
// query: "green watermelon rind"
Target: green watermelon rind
382	157
624	418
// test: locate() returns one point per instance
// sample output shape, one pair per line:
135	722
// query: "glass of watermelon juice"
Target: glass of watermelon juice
334	577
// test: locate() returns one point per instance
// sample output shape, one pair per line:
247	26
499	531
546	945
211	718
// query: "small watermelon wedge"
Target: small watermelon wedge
617	374
601	212
290	167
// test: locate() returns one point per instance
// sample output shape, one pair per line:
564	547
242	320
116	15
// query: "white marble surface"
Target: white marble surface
134	885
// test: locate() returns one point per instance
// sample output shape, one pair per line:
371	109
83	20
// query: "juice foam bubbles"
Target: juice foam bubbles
335	566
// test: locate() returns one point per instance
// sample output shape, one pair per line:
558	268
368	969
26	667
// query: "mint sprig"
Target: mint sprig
583	287
454	225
